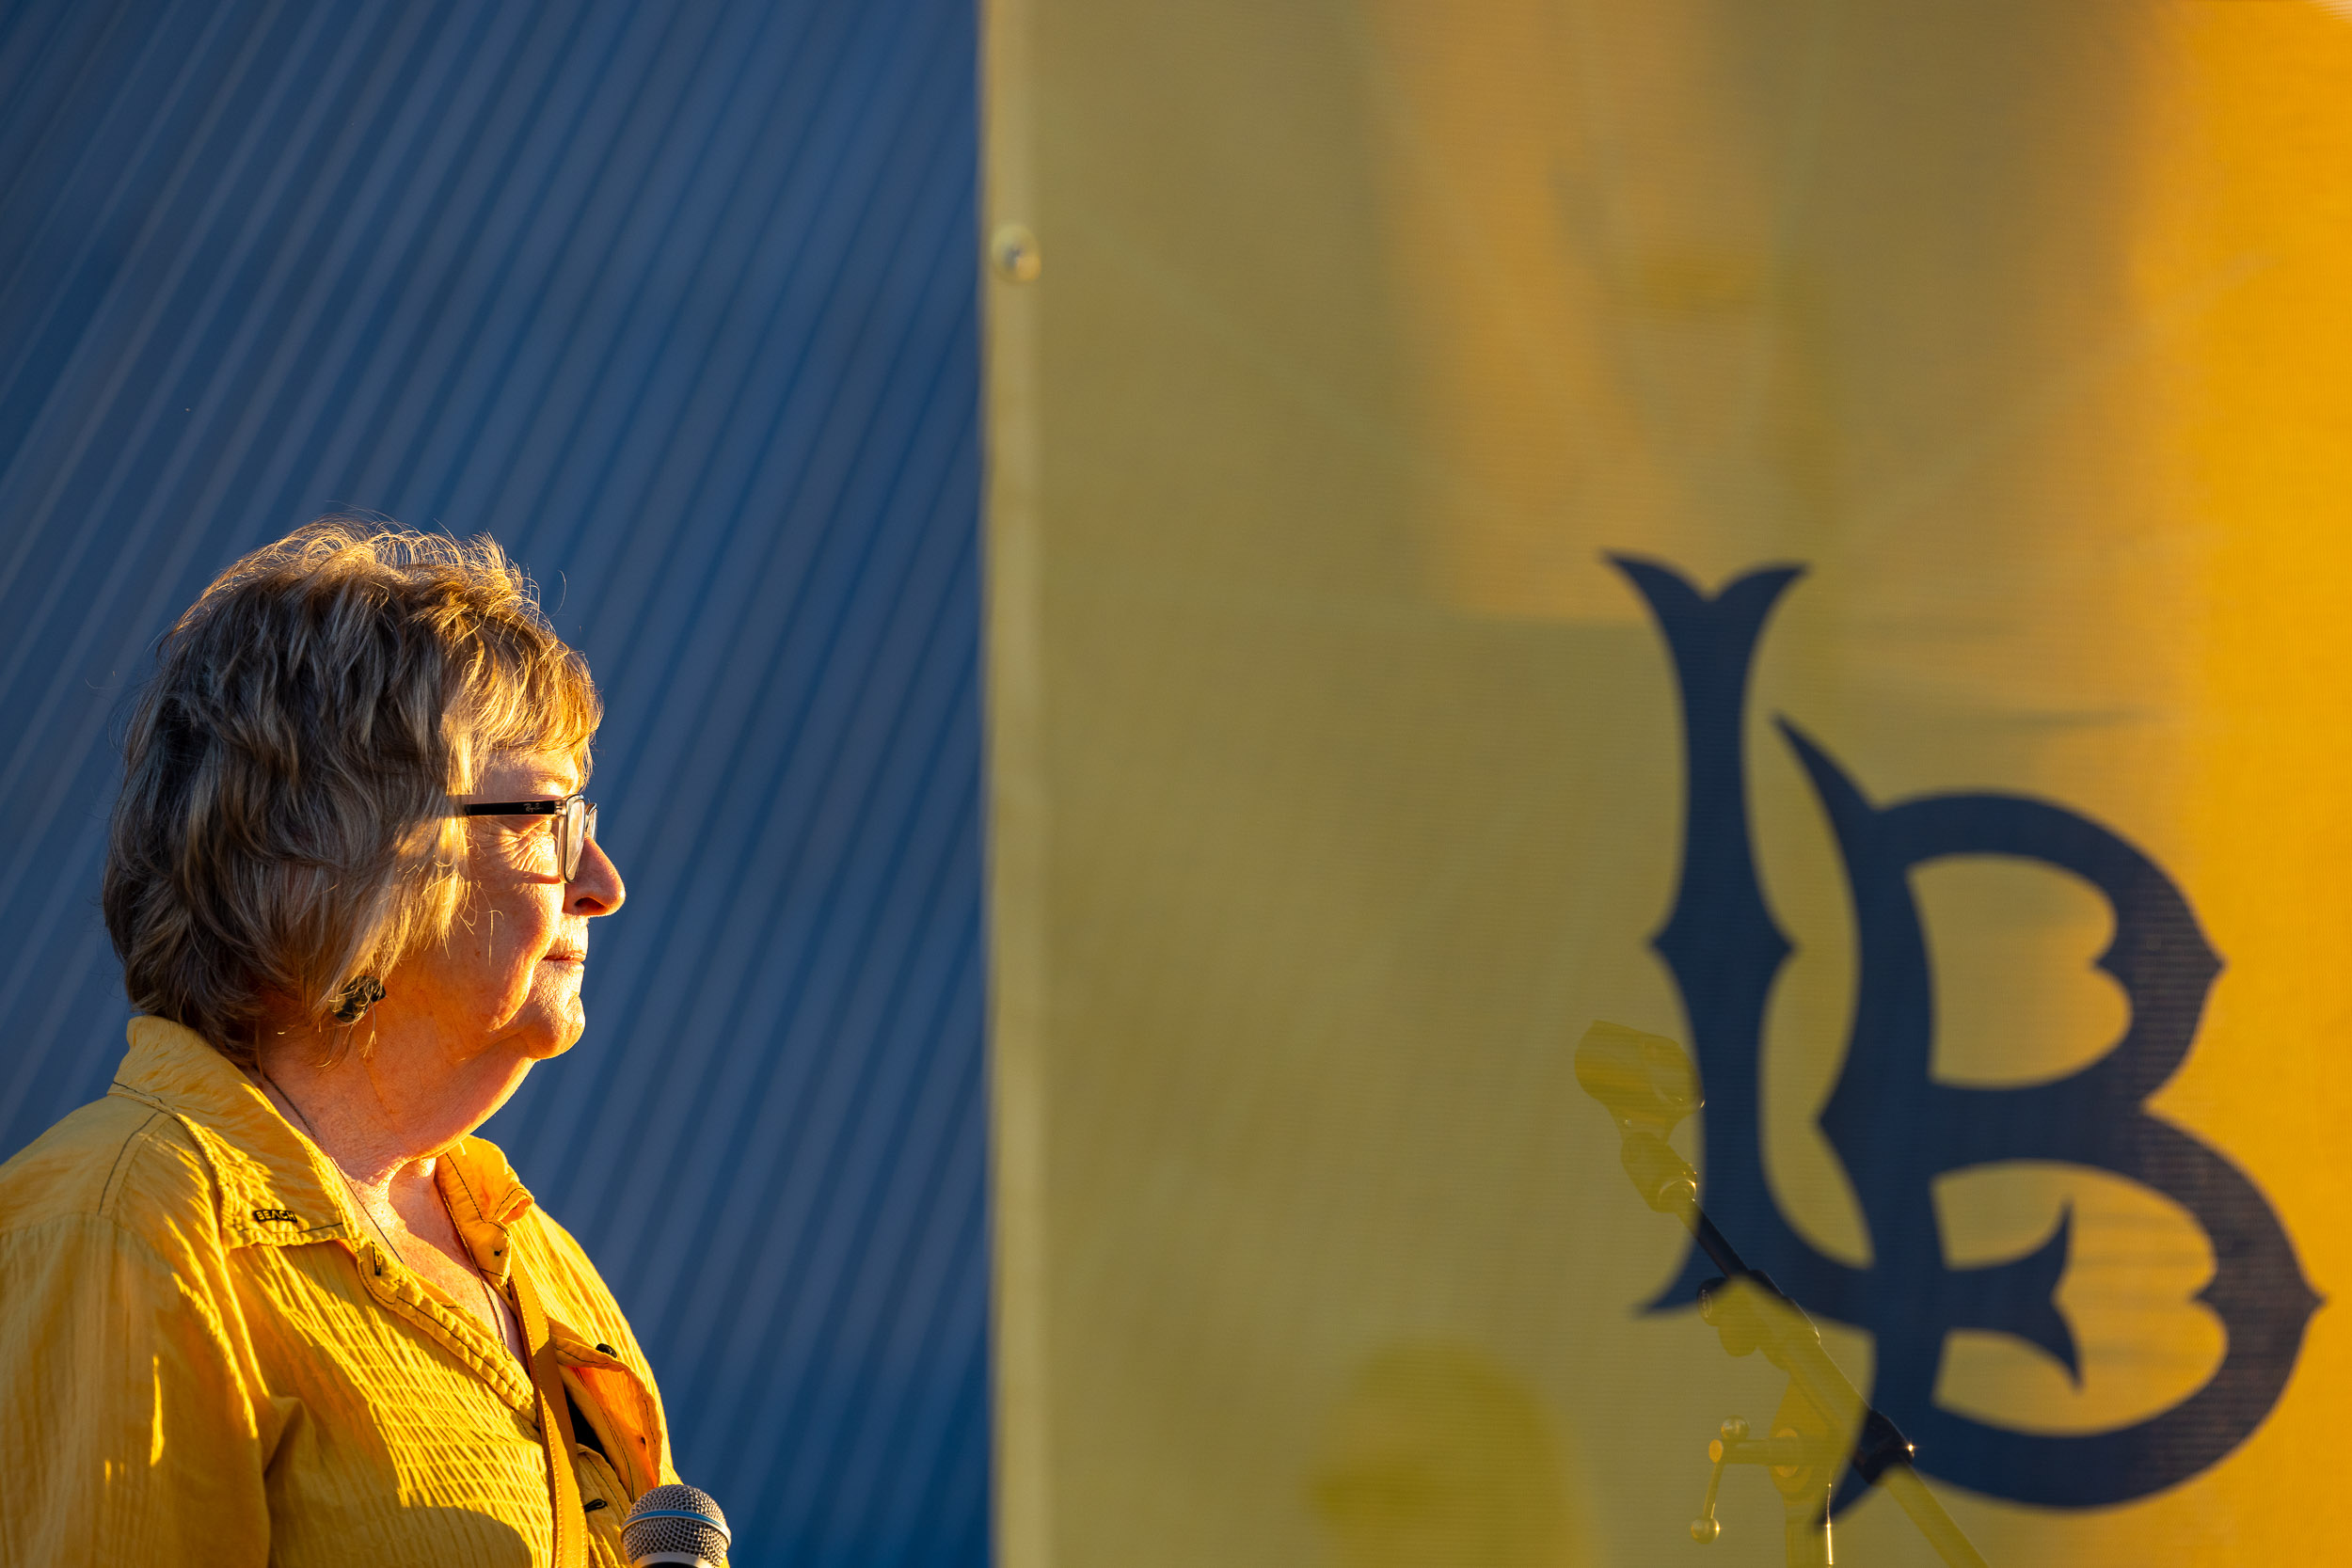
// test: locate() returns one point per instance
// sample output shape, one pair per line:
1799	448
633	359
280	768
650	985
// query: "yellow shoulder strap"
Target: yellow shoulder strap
555	1427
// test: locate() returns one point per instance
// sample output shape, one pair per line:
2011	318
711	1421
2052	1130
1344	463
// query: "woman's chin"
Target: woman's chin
552	1018
540	1029
562	1030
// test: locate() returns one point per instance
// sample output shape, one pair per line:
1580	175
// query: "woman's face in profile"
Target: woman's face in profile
509	974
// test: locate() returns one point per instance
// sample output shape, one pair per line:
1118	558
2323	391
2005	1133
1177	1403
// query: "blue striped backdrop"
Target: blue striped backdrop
678	302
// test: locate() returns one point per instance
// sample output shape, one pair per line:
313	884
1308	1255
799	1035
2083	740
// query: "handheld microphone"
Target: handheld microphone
675	1524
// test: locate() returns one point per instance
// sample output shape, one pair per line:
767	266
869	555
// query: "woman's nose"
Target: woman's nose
598	889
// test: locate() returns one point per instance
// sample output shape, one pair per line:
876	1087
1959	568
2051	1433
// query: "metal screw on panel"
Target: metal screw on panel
1013	251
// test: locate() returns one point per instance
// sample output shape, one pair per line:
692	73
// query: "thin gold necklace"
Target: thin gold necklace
498	1318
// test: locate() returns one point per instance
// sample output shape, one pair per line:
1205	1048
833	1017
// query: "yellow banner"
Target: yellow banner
1816	530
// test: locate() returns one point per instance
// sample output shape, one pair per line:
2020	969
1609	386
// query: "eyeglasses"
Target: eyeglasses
574	823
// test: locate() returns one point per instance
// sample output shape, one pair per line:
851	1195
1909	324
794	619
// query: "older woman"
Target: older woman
269	1301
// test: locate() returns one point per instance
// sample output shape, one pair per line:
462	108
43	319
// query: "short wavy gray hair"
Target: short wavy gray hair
284	824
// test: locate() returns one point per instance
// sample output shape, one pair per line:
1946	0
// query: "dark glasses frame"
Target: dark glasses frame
574	823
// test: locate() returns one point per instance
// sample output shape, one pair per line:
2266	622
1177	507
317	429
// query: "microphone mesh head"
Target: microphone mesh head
654	1528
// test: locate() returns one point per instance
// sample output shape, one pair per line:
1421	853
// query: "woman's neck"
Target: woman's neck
386	1113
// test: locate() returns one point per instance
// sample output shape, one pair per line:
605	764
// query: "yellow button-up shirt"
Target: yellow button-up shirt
207	1358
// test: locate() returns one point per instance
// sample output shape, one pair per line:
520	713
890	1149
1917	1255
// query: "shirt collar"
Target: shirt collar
275	1187
485	1197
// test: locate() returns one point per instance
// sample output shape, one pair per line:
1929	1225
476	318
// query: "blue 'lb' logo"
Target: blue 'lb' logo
1896	1129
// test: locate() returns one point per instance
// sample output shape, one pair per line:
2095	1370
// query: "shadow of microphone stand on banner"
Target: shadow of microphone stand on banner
1646	1084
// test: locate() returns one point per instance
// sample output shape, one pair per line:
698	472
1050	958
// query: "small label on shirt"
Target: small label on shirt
274	1217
